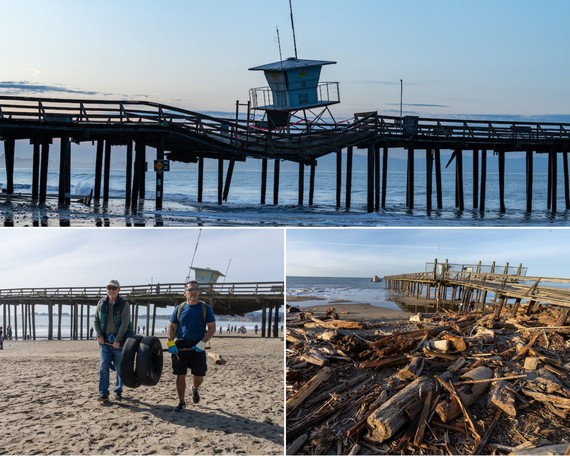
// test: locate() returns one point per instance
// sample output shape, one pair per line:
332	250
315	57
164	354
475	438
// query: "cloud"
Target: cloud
26	87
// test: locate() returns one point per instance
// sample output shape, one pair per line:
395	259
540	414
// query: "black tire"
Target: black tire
128	357
149	361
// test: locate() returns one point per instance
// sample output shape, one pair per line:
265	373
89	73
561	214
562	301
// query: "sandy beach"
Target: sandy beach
49	403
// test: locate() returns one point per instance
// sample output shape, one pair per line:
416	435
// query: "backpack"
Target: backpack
202	305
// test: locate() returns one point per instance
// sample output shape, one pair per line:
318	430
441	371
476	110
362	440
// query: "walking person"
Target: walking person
112	325
192	325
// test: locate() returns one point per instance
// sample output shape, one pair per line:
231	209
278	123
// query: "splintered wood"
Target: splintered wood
438	384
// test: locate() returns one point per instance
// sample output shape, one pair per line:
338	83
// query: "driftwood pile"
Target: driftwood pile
440	384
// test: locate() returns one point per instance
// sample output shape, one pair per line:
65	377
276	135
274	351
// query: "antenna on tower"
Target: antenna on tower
279	44
193	255
293	28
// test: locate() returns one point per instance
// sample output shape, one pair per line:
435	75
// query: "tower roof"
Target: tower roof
290	64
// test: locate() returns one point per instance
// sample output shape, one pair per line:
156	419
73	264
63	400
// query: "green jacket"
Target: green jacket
121	318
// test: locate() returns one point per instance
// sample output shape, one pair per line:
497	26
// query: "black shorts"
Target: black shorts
193	360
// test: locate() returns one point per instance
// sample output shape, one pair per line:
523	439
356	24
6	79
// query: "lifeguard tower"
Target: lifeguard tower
206	275
293	93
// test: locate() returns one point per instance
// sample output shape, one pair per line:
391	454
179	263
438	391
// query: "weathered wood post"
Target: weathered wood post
276	171
410	179
475	178
312	168
483	180
438	186
9	155
228	181
384	176
429	172
301	184
529	178
338	187
107	172
263	180
349	154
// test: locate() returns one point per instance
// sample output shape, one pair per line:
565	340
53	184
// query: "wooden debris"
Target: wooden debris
398	410
448	384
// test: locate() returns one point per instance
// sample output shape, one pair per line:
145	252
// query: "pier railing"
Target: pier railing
515	286
260	289
249	137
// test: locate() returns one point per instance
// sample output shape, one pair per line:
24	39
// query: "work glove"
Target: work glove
172	348
200	346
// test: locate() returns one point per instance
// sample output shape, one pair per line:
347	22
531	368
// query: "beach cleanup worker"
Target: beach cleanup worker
113	326
192	325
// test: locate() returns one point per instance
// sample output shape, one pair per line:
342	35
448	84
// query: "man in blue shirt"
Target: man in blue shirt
192	325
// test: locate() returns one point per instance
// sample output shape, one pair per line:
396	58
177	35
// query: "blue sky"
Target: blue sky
483	57
366	252
88	257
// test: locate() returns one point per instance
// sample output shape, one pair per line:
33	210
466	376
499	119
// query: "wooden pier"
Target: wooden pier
467	288
236	298
186	136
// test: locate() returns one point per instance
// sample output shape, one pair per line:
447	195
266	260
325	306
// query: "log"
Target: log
449	410
314	357
412	370
297	444
503	398
305	391
399	410
560	449
335	324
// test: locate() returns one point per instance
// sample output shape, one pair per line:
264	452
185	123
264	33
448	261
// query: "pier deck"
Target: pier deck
468	290
236	298
187	136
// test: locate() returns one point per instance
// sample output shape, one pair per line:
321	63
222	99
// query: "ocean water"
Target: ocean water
244	208
330	289
42	325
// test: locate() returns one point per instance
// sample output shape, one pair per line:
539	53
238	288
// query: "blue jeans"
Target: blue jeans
108	354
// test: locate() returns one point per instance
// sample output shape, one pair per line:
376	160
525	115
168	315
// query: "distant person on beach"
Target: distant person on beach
192	325
112	325
1	338
256	329
91	332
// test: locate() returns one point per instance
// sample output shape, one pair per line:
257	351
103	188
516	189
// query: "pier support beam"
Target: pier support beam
9	154
36	169
529	175
410	179
228	181
64	197
429	173
200	179
107	172
384	176
475	178
220	180
459	195
483	180
376	177
44	163
312	168
276	171
338	177
301	186
370	179
98	169
552	181
263	181
349	154
438	185
502	180
159	178
139	174
566	182
128	175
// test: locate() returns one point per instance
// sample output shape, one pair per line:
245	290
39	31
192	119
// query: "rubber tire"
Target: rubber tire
149	361
128	358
